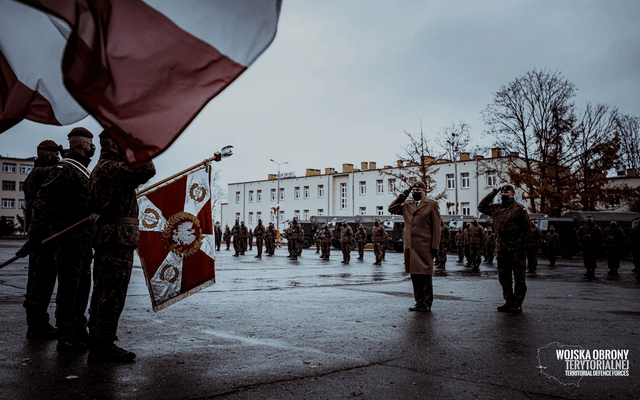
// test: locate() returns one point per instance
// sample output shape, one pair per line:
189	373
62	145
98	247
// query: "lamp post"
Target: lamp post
453	146
278	193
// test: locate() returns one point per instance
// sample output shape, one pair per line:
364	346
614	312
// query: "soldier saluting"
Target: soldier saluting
113	201
512	224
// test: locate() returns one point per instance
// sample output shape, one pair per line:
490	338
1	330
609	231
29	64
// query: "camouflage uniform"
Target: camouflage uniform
327	237
236	232
535	240
634	243
377	237
116	234
476	240
227	236
361	240
445	237
590	237
250	239
271	239
467	247
346	236
244	235
317	240
384	244
296	234
259	234
42	265
490	245
62	201
511	222
552	241
460	246
218	236
614	239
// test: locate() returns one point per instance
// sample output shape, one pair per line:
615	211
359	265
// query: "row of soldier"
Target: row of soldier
63	193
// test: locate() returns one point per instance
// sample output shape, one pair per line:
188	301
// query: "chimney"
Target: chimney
387	166
312	172
329	171
428	160
464	157
514	154
399	162
442	160
347	167
495	152
631	172
272	177
364	165
372	165
478	157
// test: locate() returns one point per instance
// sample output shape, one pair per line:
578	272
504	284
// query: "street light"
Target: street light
453	145
278	193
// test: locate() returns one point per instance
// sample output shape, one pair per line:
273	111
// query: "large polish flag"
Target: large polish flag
143	69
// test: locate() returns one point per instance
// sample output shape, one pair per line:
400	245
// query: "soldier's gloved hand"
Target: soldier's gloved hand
434	252
495	192
29	247
407	192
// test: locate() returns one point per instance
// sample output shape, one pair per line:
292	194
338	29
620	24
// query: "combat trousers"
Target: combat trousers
111	272
422	289
551	253
384	249
218	244
259	246
73	260
474	254
490	251
460	253
467	253
346	251
613	258
237	245
360	249
590	257
326	249
532	258
512	262
40	283
442	254
228	243
377	250
318	246
250	243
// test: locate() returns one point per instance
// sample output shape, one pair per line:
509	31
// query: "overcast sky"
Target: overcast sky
343	79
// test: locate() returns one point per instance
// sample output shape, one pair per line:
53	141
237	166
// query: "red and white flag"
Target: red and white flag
143	68
177	246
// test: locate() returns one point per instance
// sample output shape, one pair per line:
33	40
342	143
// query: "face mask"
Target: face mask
589	222
505	199
92	150
377	223
417	195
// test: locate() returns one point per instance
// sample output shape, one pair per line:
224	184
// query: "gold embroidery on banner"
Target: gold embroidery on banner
183	234
169	273
150	218
197	192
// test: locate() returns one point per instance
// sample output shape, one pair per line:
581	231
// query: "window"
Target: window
237	197
259	215
363	188
343	196
379	210
281	217
281	193
8	185
237	217
251	218
273	217
296	193
392	185
465	209
259	195
306	192
25	169
296	214
379	186
492	178
305	215
9	167
451	181
363	210
8	203
22	204
465	180
273	195
250	196
320	211
320	191
21	186
451	208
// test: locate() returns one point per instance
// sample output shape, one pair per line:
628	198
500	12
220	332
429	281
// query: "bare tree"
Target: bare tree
454	139
629	132
218	194
417	164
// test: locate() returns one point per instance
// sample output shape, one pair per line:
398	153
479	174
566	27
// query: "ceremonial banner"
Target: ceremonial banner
177	246
143	68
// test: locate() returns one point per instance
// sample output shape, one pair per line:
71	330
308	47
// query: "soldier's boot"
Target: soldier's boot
590	275
110	353
258	256
42	331
516	309
506	307
475	268
69	343
378	262
236	255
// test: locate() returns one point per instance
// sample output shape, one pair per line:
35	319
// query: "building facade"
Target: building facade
14	172
364	191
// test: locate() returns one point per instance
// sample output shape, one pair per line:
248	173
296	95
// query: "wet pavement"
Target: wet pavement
272	328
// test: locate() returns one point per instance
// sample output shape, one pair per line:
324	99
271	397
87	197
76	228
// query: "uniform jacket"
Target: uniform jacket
535	240
552	239
259	231
445	235
511	223
227	233
421	232
112	191
590	235
459	239
32	184
326	234
490	239
377	235
614	237
476	234
346	234
361	235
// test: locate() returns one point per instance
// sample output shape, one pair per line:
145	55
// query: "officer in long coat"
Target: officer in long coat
114	206
421	239
42	266
512	224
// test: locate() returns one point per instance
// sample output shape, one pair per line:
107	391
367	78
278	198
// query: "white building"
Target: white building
364	191
14	172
